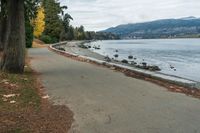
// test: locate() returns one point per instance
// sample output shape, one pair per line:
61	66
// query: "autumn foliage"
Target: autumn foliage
39	23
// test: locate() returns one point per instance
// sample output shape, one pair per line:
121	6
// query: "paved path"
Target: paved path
104	101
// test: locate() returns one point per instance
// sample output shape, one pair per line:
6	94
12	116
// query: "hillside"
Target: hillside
166	28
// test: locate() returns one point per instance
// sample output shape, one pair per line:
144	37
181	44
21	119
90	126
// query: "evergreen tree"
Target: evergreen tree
53	21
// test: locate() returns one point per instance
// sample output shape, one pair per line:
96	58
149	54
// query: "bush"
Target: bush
48	40
45	39
29	34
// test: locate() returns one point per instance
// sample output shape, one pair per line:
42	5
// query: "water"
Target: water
182	54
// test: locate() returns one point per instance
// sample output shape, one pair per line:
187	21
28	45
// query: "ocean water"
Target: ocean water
182	54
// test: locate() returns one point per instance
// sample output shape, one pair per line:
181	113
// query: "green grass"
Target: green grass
26	88
17	130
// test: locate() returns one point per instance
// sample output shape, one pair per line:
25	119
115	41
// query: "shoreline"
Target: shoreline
172	83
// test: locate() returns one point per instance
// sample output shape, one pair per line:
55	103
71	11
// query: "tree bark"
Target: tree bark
3	24
1	17
14	51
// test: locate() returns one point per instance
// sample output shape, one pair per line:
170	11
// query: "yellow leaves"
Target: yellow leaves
39	23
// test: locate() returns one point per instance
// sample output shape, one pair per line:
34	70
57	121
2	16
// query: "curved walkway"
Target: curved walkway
104	101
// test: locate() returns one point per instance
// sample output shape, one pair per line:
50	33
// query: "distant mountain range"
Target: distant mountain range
165	28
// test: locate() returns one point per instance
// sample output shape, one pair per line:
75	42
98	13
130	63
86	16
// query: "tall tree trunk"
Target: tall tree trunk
1	18
1	44
4	32
4	23
14	52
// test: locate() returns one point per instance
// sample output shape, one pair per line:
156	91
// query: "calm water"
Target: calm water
183	54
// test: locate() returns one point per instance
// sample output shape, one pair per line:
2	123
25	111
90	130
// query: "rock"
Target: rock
172	67
116	50
133	63
107	59
97	48
124	61
141	67
82	46
62	49
154	68
130	57
144	63
116	55
135	58
89	47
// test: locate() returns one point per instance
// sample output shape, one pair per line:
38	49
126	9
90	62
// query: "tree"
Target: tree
31	7
66	21
13	13
81	33
29	33
3	22
70	33
39	23
53	21
66	33
14	52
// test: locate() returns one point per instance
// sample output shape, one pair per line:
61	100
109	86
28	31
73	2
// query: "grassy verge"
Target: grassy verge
24	110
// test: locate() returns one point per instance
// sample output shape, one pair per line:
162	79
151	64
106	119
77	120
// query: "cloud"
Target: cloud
101	14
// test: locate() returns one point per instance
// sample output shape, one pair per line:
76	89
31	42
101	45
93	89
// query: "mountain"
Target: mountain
165	28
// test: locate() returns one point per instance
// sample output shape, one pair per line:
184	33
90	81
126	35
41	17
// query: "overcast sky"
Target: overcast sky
101	14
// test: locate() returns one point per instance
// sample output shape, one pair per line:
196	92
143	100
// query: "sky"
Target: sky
96	15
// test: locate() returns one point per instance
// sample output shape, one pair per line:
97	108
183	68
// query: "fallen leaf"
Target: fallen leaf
12	102
10	95
45	97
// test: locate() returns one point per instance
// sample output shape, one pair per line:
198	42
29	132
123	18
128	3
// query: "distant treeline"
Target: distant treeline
52	25
165	28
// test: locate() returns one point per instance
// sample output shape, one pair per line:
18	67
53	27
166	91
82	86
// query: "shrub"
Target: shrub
29	34
48	40
45	39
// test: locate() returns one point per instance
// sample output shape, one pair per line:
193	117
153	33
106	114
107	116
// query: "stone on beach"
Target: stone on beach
107	58
124	61
130	57
116	55
62	49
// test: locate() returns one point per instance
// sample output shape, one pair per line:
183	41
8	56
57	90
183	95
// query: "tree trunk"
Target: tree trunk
14	52
4	23
1	25
4	32
1	45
